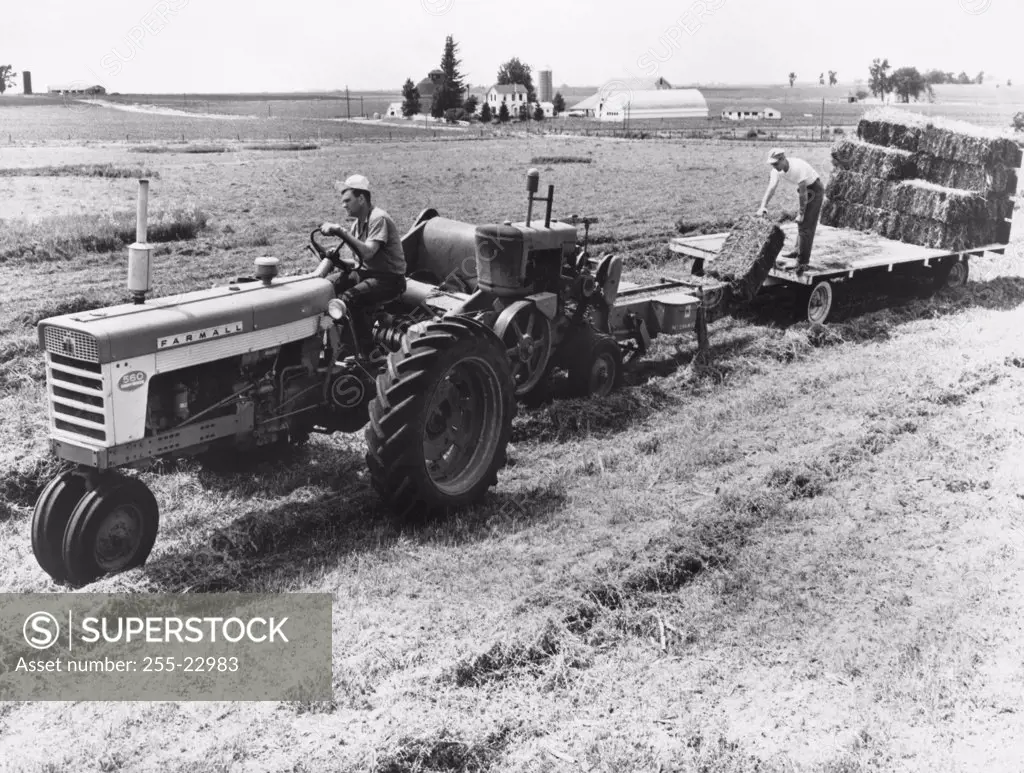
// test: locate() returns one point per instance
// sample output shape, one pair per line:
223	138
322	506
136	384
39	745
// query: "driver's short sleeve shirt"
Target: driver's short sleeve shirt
379	227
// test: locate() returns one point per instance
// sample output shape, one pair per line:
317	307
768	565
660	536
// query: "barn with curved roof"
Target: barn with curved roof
659	103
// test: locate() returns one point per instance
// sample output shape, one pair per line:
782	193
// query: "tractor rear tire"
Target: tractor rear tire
441	420
594	363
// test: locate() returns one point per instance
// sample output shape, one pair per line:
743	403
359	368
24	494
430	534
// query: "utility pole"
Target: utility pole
823	117
363	114
348	112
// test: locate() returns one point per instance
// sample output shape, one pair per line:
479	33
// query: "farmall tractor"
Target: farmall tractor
267	360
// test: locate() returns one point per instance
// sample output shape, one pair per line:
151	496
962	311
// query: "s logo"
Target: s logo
347	391
131	381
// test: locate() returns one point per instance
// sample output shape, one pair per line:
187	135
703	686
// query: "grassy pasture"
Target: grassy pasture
799	554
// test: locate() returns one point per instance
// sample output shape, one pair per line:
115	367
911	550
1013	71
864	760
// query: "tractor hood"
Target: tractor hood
129	330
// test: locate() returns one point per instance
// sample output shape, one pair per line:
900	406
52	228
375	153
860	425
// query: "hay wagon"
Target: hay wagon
845	261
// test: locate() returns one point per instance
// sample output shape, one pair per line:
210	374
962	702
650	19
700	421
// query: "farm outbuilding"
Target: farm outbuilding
748	114
659	103
394	110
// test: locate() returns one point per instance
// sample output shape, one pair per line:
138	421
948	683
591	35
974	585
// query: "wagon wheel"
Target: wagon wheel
526	334
112	529
958	274
50	520
820	302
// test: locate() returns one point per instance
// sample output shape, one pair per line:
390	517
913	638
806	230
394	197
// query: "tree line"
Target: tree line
451	100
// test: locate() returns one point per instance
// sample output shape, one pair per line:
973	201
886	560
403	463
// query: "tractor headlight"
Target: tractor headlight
336	309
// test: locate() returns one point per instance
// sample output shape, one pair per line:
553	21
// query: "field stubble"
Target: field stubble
792	555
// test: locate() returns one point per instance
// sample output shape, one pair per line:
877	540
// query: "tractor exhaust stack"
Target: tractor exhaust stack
140	254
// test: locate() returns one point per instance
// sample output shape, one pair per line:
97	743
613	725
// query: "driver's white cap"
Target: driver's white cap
356	181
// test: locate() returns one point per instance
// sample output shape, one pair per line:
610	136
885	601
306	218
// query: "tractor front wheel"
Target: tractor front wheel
50	520
112	529
442	418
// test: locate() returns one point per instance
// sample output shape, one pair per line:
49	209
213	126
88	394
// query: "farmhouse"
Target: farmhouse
660	103
746	114
514	95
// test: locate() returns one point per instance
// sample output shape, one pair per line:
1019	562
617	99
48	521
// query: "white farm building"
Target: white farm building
748	114
658	103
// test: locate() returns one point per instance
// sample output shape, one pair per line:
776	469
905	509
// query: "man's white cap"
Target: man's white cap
356	181
775	154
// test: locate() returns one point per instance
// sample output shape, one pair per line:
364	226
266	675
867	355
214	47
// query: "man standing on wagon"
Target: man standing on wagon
811	192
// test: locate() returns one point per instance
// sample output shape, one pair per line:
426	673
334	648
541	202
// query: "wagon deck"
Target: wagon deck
838	253
842	257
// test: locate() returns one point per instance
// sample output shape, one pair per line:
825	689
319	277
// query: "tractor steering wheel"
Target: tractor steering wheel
333	254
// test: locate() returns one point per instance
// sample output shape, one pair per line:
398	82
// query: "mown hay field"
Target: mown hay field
801	553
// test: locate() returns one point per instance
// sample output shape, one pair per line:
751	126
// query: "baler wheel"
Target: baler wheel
594	362
527	336
442	418
50	519
112	529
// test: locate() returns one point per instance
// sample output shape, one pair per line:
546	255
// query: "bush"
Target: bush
838	130
1018	122
752	134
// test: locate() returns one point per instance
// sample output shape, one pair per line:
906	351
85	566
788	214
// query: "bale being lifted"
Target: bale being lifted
748	254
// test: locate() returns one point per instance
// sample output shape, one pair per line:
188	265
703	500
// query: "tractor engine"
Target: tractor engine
278	386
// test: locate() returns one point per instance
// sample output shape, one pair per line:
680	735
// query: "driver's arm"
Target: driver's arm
375	237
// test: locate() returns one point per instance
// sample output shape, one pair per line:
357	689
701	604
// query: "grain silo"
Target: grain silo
545	93
26	81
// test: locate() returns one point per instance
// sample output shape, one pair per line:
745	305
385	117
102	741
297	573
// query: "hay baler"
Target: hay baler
550	302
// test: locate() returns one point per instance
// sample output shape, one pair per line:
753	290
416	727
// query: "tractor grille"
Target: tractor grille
76	393
71	343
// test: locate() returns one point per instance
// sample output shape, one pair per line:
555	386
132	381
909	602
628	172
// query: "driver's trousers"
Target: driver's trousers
363	290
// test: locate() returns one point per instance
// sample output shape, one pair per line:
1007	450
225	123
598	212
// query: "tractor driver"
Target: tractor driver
373	237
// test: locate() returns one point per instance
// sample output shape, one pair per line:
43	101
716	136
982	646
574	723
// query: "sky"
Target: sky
218	46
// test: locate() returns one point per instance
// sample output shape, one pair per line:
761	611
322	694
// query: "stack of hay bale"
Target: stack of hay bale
946	185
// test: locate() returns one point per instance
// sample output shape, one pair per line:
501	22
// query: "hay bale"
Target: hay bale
747	255
997	180
874	160
890	132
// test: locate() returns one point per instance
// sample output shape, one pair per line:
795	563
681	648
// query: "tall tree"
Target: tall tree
963	78
879	82
821	79
980	78
470	104
485	113
833	80
449	93
7	76
514	71
934	77
503	115
559	103
907	82
792	79
410	99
